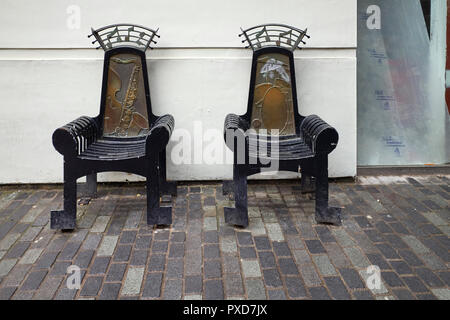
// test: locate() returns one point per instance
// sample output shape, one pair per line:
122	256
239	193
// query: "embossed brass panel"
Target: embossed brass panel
125	104
272	100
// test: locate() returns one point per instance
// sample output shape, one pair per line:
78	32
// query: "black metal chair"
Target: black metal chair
126	136
272	130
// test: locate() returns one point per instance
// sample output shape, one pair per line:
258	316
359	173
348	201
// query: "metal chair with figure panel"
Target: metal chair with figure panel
272	130
126	136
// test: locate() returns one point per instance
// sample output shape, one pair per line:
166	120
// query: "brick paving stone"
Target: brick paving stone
128	237
60	268
358	259
415	284
442	294
255	289
228	245
48	288
302	257
193	284
107	246
247	253
83	258
233	285
378	260
250	268
31	234
110	291
100	224
277	294
210	251
173	289
160	246
152	285
208	237
231	264
429	277
91	242
244	238
319	293
143	242
418	247
7	292
392	279
445	276
139	258
352	278
403	294
295	287
194	297
281	249
272	278
34	279
315	246
8	241
410	258
401	267
267	259
387	251
116	272
343	238
6	265
193	264
213	290
23	295
133	281
157	262
337	288
17	250
91	286
274	232
100	265
262	243
175	268
122	253
16	275
324	265
212	269
362	295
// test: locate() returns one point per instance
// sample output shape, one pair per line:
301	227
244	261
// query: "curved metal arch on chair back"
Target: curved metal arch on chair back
272	102
125	106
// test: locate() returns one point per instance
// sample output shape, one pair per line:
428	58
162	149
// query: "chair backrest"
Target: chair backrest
272	101
125	109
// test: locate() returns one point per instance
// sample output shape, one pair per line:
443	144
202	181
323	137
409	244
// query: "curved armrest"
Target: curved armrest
234	127
160	132
319	135
72	138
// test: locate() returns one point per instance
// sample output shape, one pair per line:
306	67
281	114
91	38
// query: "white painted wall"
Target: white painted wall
50	76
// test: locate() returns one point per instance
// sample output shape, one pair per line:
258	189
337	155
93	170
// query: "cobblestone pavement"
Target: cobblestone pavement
398	223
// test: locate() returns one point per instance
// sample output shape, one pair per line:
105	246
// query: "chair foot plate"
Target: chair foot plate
62	220
330	215
169	188
160	216
238	217
227	187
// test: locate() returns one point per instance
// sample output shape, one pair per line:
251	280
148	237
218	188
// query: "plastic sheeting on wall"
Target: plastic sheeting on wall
402	116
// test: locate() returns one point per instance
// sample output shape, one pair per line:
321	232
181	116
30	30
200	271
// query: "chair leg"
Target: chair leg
166	187
307	183
66	219
238	215
324	213
91	184
156	215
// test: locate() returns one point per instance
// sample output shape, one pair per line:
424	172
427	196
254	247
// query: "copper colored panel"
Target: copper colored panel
125	104
272	100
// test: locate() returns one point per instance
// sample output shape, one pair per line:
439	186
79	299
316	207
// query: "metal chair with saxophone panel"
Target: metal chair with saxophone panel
126	136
